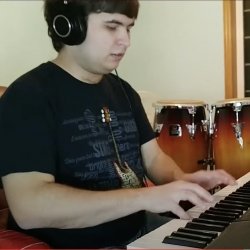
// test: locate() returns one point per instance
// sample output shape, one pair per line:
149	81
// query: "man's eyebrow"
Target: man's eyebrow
120	23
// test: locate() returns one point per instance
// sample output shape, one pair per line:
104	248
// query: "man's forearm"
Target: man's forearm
59	206
163	169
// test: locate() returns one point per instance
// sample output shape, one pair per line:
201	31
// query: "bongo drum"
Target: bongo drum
181	127
231	140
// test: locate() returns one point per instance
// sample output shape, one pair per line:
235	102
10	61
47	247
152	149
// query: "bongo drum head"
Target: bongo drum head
179	103
232	101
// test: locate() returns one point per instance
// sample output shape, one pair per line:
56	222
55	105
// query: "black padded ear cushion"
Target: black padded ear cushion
69	29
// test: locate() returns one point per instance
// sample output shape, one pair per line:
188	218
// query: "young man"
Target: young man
76	143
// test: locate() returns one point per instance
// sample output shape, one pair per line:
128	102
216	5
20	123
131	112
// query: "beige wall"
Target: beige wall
23	41
176	52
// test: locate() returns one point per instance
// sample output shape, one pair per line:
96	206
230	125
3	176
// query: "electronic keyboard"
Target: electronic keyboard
225	223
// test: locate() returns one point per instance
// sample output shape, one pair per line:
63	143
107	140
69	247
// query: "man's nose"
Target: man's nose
124	38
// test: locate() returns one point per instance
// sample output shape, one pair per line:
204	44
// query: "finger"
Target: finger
196	200
220	176
228	179
180	212
200	192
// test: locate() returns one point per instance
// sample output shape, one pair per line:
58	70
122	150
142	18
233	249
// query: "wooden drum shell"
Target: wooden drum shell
228	153
187	152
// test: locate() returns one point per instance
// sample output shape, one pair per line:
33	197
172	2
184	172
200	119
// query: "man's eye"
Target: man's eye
111	27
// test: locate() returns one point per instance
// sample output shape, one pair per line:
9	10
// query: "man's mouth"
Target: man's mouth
118	56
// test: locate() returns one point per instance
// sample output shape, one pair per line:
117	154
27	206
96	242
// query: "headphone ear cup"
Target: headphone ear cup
69	30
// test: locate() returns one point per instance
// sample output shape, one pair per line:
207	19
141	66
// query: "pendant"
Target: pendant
127	176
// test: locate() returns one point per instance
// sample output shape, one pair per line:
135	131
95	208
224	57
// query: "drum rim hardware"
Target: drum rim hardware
236	105
190	105
223	131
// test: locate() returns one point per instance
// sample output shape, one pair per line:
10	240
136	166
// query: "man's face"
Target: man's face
107	39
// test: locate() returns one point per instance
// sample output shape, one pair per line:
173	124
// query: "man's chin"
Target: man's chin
111	69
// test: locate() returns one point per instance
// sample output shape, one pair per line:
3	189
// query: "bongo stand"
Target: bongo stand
209	162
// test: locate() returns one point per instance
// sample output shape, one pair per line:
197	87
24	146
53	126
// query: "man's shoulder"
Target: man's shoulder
39	73
34	80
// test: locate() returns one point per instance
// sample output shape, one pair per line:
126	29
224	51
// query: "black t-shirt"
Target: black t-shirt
52	123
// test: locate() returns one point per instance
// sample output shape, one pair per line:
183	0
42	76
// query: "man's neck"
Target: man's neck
76	71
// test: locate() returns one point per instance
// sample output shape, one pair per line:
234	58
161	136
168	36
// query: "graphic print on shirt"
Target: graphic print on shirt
90	153
127	176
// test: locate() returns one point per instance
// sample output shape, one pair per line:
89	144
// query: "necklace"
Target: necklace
126	174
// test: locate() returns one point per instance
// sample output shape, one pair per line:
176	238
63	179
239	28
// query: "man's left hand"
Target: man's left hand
210	179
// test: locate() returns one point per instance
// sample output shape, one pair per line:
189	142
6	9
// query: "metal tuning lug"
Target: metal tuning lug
191	127
238	126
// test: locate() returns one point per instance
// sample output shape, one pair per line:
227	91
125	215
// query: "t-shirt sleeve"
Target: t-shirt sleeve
144	127
26	131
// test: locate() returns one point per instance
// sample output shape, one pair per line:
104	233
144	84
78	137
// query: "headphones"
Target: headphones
68	25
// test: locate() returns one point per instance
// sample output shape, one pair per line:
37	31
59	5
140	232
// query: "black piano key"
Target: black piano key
244	189
205	226
214	222
192	236
228	211
246	183
217	217
243	197
224	204
212	234
244	205
219	213
239	198
184	242
241	194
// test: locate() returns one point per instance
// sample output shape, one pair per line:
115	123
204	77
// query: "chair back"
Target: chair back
3	203
2	90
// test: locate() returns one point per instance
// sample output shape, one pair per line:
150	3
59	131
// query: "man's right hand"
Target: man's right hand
166	198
